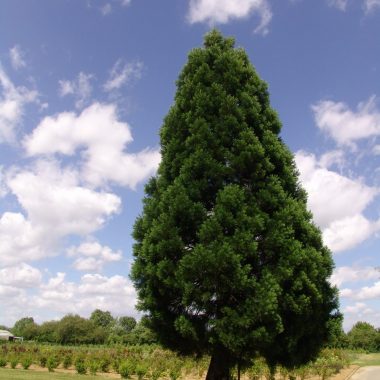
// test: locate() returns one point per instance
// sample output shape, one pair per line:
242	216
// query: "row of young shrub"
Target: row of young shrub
152	362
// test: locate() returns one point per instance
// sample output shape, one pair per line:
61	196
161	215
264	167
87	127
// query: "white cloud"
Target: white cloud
122	73
329	195
106	9
12	103
346	126
369	292
333	158
359	307
103	138
93	256
223	11
56	206
115	294
339	4
345	292
80	88
20	240
371	5
16	55
347	233
66	87
376	150
346	274
20	276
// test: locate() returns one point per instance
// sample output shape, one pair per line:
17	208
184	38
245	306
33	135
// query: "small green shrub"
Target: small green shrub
43	360
80	366
67	361
116	365
3	362
93	367
51	363
126	370
26	362
141	371
13	362
175	369
104	365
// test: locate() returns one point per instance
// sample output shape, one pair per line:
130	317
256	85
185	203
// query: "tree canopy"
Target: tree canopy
227	258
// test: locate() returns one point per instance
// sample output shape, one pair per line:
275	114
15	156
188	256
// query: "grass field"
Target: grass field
21	374
364	360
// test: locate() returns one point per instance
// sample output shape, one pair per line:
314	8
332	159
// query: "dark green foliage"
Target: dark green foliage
101	328
364	336
3	362
25	327
52	363
67	361
26	362
80	366
73	329
104	364
47	332
43	361
228	260
127	323
337	337
102	318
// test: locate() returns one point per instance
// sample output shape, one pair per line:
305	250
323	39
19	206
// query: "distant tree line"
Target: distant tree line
362	336
103	328
100	328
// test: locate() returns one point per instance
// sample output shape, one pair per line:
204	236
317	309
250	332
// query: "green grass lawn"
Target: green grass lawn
364	360
20	374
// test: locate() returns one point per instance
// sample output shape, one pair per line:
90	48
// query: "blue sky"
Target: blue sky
84	87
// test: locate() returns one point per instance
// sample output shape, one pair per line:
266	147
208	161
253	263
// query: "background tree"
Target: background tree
73	329
337	336
364	336
102	318
26	328
127	323
228	260
47	332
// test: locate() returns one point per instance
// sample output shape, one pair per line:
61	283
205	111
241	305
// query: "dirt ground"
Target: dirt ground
344	374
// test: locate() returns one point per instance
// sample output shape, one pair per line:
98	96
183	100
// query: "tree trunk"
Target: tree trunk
220	366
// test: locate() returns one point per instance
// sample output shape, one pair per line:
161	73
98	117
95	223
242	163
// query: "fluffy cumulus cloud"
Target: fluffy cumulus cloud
107	8
17	57
20	276
345	274
56	206
368	292
13	100
346	126
329	193
223	11
102	138
359	308
371	5
115	293
92	256
80	88
123	73
339	4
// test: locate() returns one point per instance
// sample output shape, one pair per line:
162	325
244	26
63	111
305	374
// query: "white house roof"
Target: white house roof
5	333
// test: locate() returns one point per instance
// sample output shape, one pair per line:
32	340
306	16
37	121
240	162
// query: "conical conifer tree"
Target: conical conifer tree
228	261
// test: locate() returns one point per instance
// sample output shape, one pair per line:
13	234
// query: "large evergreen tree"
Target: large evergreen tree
228	260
